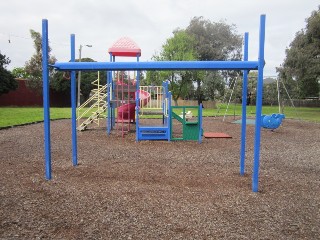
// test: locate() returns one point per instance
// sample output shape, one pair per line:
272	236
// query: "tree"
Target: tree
153	78
87	77
213	85
33	67
7	81
20	72
60	81
301	67
177	48
270	93
214	41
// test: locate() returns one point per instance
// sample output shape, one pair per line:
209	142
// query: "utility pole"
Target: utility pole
79	74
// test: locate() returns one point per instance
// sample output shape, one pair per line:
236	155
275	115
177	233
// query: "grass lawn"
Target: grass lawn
301	113
10	116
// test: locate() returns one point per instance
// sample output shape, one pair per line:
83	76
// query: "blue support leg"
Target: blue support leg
73	105
109	94
169	95
244	108
46	100
200	123
137	102
256	163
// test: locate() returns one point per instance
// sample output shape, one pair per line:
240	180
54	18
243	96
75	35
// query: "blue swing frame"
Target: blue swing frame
73	66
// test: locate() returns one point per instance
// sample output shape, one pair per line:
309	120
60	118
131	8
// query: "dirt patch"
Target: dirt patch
160	190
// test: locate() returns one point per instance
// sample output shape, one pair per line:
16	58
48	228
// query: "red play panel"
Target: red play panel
216	135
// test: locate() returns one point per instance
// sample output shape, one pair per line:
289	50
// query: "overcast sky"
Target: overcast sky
148	22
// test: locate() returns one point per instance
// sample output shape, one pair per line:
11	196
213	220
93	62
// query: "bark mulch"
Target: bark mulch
160	190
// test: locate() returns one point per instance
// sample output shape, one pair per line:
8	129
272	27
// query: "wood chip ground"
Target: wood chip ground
160	190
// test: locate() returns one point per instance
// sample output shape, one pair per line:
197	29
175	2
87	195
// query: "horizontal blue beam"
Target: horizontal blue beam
162	65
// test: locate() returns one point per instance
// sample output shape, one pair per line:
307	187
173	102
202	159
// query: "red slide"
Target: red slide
127	111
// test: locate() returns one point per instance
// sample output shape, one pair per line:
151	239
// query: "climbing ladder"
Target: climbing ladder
95	107
124	100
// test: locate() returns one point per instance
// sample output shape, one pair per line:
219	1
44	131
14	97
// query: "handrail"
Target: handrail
92	97
91	107
152	104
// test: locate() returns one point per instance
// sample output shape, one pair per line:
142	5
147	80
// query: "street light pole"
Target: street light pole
79	74
79	77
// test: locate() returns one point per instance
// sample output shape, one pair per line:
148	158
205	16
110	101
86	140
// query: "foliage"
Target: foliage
20	72
153	78
213	85
177	48
270	93
202	40
60	81
7	81
301	67
214	41
235	87
4	60
33	67
87	77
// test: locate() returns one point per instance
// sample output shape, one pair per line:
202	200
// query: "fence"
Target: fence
25	97
205	104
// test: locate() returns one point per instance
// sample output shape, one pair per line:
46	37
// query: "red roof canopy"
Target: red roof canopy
125	47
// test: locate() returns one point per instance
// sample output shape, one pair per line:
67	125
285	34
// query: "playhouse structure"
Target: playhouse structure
125	99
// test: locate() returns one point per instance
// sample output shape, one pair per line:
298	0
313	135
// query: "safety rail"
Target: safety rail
93	118
156	93
102	95
97	100
156	99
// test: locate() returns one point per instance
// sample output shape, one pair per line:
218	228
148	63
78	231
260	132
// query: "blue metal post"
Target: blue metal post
113	108
244	107
73	104
168	107
200	123
169	96
46	100
137	102
109	81
163	105
164	97
256	163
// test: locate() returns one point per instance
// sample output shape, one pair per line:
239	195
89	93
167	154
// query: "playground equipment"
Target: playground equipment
138	66
96	104
191	128
130	99
122	90
119	98
272	121
158	103
159	131
186	115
